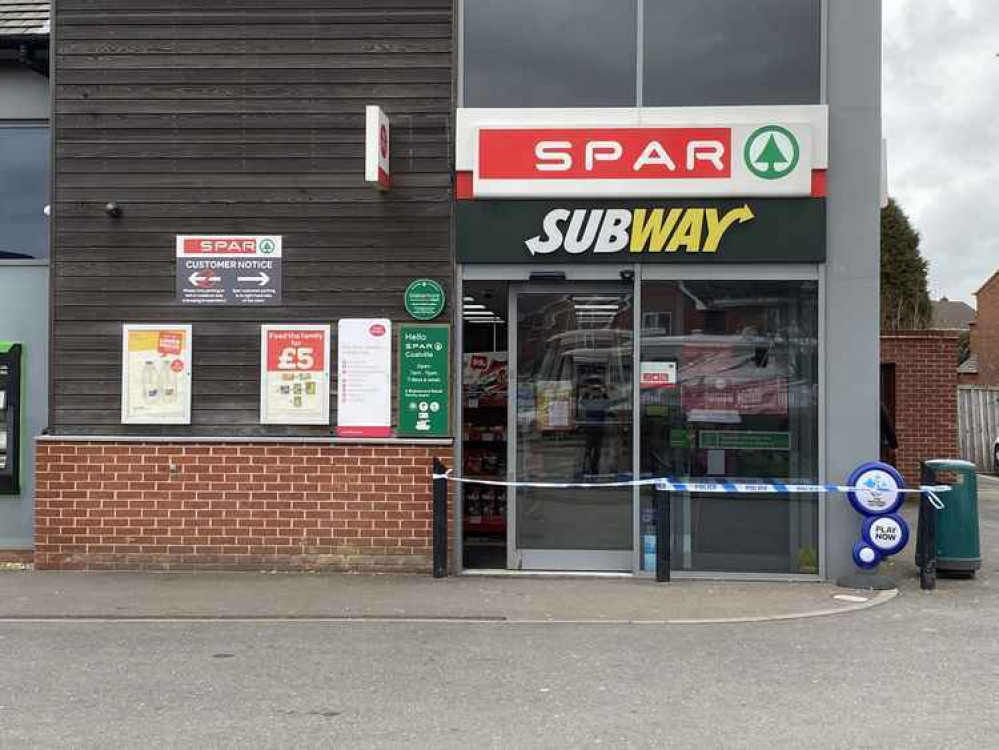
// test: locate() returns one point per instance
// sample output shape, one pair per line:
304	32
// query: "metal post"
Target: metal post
440	520
662	535
926	534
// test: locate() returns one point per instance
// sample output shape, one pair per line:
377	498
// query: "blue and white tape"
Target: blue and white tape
706	488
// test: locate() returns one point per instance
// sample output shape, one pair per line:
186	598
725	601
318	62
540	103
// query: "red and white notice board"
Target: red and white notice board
364	377
295	374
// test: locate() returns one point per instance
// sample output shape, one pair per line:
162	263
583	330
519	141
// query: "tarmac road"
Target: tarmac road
920	671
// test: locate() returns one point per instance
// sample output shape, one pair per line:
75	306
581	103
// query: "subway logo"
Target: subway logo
636	230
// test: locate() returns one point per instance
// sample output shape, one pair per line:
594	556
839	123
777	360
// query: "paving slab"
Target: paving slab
32	594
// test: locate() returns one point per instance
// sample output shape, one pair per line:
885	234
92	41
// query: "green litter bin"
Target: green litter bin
958	547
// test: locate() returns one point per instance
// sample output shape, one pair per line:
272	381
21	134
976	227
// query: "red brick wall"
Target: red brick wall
925	396
985	333
16	556
234	506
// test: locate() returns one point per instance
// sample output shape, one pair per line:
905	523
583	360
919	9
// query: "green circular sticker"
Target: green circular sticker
772	152
424	299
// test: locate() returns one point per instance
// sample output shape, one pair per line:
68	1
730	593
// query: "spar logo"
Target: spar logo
772	152
637	230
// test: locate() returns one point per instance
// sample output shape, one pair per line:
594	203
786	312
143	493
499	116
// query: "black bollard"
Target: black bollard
662	499
440	520
926	534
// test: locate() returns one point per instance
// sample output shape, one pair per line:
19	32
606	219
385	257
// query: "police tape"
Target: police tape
706	488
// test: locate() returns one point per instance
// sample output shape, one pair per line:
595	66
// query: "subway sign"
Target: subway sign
766	230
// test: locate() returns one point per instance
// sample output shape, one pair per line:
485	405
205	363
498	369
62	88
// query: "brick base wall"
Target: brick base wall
234	506
16	557
925	396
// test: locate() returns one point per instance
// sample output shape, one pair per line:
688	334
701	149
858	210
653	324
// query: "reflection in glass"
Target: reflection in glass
556	53
24	192
574	419
732	52
744	406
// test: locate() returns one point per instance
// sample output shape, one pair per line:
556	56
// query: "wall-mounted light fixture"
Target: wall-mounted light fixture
112	209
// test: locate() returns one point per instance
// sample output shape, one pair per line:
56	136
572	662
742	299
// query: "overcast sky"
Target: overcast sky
941	119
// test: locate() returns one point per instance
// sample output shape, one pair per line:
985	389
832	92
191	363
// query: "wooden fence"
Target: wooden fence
978	424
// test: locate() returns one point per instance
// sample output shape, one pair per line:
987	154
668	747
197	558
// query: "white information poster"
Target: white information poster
156	374
295	374
364	377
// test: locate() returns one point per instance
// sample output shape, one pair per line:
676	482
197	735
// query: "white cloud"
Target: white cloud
941	119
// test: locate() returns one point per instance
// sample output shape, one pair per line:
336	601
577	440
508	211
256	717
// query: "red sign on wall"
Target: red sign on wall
605	153
296	351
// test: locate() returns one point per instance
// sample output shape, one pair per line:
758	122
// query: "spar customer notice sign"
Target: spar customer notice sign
229	269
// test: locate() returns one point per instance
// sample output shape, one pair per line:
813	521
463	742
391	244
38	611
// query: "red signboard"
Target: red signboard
297	351
727	378
605	153
220	245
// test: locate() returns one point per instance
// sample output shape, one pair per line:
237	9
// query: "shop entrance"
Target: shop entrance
571	418
577	381
548	396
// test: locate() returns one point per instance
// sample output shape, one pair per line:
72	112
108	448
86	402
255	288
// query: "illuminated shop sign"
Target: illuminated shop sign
761	230
662	152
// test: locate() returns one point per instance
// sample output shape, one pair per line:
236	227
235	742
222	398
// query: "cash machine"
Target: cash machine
10	417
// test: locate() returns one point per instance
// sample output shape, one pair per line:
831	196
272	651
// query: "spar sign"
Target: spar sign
757	159
377	148
229	269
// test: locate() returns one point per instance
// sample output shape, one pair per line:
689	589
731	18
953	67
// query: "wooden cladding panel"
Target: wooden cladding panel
238	116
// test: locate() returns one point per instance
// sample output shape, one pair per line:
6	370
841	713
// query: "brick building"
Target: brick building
919	391
983	364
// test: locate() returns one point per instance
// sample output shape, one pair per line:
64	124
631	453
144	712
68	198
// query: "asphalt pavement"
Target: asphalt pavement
922	670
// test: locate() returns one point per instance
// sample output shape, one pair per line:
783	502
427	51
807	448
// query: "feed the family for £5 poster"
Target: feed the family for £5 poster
295	374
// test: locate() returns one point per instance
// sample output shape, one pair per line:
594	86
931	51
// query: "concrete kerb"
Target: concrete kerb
198	598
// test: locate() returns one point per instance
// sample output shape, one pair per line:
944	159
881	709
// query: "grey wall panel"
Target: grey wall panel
852	268
24	293
24	94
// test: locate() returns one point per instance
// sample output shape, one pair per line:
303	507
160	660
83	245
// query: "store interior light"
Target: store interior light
474	307
468	299
596	307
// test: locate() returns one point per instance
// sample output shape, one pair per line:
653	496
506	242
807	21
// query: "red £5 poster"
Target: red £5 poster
295	374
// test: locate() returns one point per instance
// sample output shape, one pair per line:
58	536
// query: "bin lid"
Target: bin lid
951	463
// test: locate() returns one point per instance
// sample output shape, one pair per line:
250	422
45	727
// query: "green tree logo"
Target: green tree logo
772	152
267	247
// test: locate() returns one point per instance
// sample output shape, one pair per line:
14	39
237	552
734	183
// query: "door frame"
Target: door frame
521	273
564	559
